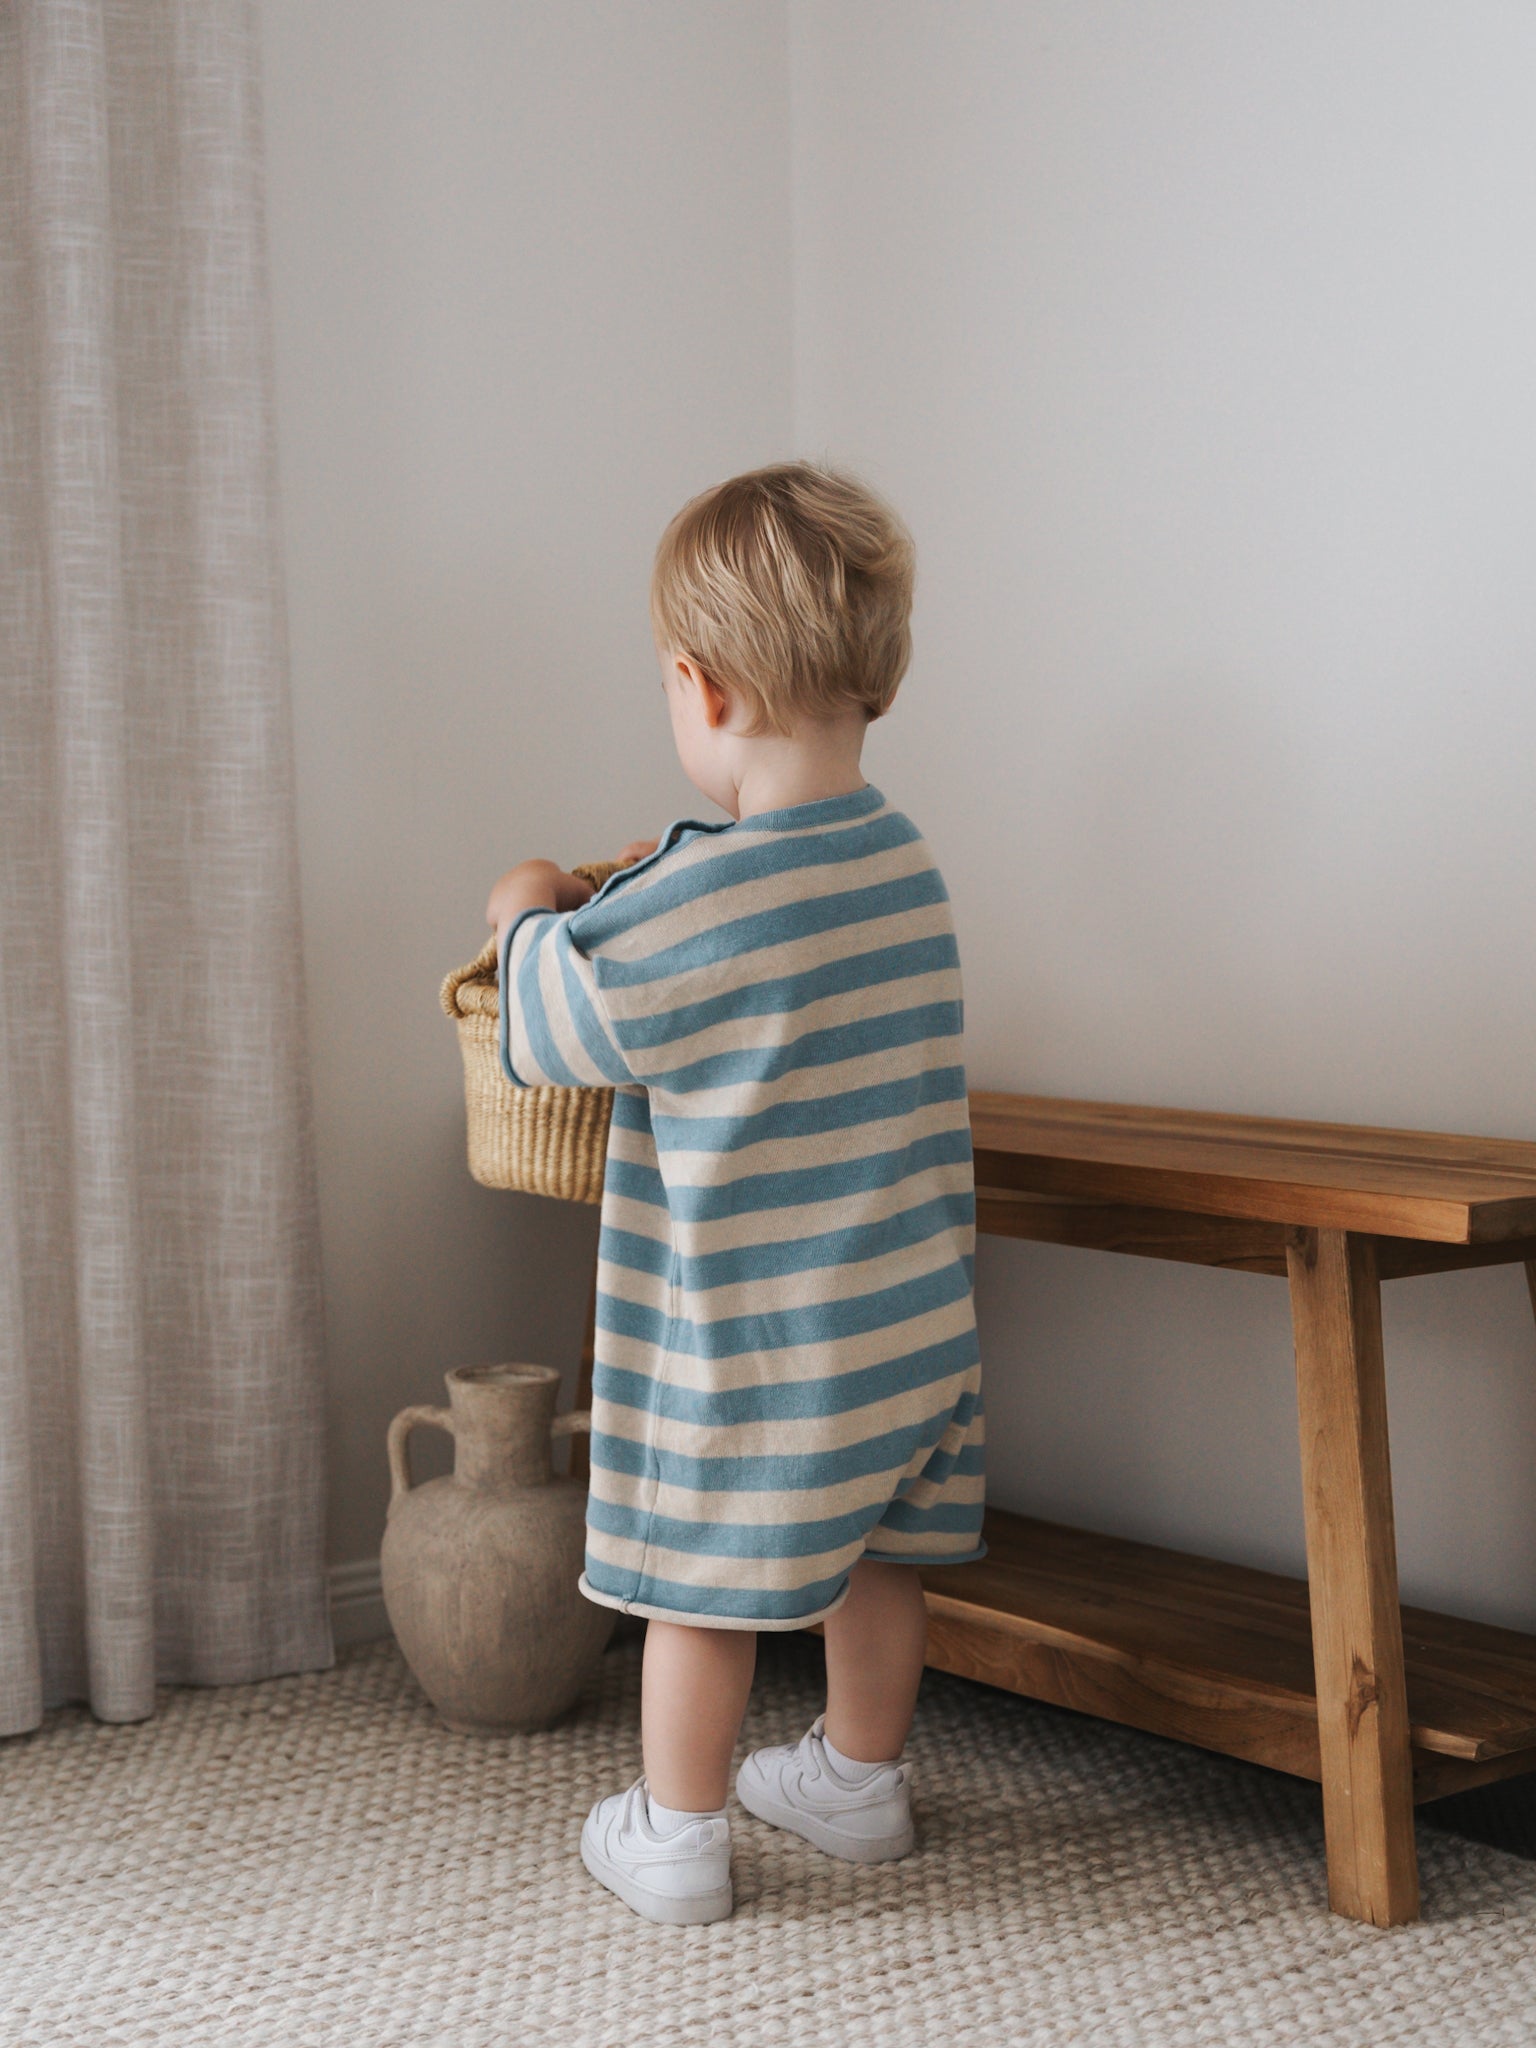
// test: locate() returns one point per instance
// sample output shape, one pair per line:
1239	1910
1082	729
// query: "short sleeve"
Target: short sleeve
554	1032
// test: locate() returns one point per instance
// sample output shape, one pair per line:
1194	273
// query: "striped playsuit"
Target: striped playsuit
787	1375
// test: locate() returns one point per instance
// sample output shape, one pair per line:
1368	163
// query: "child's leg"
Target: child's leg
875	1644
676	1868
843	1786
693	1693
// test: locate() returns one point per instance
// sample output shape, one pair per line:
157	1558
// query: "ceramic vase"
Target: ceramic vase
480	1568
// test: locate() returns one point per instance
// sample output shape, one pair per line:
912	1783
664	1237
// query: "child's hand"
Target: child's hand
637	849
533	885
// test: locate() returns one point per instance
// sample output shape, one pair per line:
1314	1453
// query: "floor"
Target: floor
316	1861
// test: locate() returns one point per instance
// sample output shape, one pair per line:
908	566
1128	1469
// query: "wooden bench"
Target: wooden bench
1329	1677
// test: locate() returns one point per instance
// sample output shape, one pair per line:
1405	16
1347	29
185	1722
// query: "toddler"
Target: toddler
786	1407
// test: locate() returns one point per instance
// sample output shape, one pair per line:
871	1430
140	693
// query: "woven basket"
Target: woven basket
543	1141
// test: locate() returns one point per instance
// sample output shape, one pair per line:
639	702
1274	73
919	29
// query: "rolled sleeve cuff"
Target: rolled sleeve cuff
504	996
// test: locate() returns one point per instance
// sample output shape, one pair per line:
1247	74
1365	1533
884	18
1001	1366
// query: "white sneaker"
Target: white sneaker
797	1787
681	1879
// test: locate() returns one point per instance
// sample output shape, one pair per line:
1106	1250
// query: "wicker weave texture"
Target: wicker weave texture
541	1141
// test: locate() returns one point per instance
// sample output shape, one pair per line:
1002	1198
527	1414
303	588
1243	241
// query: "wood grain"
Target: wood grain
1436	1777
1400	1258
1147	1692
1235	1243
1338	1682
1357	1639
1214	1654
1194	1628
1410	1184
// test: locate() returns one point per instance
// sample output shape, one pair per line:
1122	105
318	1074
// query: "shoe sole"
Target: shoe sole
660	1906
821	1834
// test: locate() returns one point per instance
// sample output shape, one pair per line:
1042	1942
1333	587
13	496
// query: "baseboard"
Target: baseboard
357	1602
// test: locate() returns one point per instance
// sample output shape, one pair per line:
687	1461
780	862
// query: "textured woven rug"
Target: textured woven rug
316	1861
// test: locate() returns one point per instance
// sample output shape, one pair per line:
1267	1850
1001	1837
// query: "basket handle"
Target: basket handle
481	970
574	1422
399	1439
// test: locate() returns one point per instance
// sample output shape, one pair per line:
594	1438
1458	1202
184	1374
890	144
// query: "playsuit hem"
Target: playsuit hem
777	1623
681	1614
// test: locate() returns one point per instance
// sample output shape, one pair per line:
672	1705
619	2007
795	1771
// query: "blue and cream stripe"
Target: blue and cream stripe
787	1375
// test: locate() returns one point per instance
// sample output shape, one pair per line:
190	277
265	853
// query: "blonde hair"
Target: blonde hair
791	587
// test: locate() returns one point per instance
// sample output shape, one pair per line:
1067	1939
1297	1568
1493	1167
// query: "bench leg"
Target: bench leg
1530	1279
1357	1628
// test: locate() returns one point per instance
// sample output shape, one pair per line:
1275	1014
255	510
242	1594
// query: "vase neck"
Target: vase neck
501	1425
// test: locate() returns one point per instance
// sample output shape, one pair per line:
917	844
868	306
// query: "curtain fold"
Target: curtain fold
161	1469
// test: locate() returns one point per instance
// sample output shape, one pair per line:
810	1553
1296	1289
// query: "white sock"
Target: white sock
846	1767
666	1820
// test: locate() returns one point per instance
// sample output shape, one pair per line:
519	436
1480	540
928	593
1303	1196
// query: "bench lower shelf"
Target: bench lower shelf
1215	1654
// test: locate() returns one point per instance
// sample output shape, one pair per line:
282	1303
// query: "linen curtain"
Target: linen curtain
161	1505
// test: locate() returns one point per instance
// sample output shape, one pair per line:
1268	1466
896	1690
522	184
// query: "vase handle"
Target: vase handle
399	1434
575	1422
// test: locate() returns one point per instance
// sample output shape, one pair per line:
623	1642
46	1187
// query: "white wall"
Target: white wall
532	289
1196	343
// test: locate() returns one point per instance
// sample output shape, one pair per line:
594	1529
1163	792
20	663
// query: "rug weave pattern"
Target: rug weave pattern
315	1861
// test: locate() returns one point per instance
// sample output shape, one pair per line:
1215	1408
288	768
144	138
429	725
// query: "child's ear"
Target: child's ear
717	705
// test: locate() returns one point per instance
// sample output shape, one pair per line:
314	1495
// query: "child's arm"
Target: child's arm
532	885
540	885
555	1030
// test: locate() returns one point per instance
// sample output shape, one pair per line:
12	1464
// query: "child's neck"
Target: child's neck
800	768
